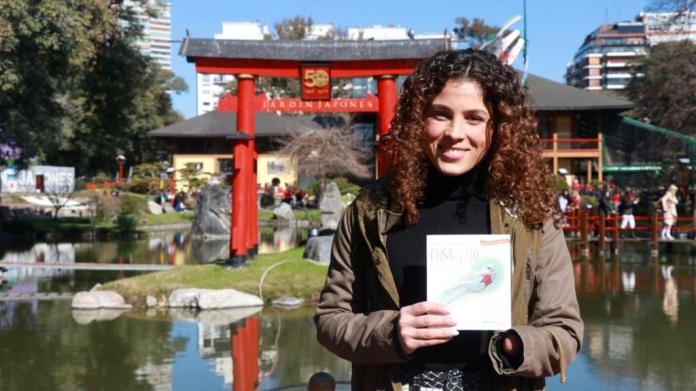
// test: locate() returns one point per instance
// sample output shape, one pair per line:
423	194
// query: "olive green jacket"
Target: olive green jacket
359	305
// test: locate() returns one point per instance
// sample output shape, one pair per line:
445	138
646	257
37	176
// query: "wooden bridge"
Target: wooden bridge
606	231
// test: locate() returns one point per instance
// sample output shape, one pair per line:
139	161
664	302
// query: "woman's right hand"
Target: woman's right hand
425	324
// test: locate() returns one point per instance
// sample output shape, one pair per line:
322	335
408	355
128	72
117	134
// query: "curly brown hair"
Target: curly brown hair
517	174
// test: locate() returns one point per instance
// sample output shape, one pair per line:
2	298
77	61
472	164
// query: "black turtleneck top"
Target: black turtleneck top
452	206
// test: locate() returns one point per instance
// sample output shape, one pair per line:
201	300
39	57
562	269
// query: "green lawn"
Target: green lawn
297	277
170	218
300	214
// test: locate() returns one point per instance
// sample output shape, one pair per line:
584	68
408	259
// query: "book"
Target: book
471	275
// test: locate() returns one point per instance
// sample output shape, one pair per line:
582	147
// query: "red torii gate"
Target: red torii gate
315	63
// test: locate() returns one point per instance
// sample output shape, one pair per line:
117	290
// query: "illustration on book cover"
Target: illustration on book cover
470	274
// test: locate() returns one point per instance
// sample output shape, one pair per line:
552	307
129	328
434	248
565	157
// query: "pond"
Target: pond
639	320
166	247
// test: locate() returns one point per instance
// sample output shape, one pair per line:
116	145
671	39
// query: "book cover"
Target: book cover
471	275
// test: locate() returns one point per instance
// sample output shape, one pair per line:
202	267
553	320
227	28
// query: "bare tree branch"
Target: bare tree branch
331	151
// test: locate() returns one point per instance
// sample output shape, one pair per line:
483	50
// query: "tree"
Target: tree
294	28
663	87
60	195
331	151
45	45
63	95
474	32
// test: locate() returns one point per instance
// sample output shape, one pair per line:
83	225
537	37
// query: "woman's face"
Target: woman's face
457	132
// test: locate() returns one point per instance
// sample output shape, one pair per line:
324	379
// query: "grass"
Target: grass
170	218
300	214
297	277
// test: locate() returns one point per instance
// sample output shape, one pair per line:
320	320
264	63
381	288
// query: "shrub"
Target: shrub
126	223
346	186
80	184
101	178
131	205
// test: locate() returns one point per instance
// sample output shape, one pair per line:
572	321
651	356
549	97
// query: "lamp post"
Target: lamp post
120	159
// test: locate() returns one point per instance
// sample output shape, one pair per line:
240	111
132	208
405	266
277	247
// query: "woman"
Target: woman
669	202
466	160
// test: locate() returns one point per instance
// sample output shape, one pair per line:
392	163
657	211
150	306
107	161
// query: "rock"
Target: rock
186	297
318	248
213	211
221	317
84	317
331	206
167	208
209	250
150	301
154	208
99	299
288	302
212	299
284	211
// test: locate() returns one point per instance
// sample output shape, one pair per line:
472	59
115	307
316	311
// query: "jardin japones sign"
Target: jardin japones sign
316	82
369	103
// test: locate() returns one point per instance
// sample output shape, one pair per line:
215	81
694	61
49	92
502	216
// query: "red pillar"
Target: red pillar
120	172
386	92
243	160
245	355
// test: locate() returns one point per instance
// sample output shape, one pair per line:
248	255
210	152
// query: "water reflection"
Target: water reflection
173	248
639	316
248	351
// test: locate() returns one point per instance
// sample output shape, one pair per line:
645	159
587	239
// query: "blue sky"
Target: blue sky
555	28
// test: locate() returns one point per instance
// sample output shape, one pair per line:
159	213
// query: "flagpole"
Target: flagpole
524	50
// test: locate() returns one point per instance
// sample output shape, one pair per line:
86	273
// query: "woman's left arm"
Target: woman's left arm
553	336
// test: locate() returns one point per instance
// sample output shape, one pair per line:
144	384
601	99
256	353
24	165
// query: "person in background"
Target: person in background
669	202
628	201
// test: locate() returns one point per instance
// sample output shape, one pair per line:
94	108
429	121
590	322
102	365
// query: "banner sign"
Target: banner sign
368	104
316	82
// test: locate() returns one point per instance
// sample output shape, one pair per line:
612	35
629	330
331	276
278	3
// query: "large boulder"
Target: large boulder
284	212
95	299
318	248
331	206
213	211
154	208
212	298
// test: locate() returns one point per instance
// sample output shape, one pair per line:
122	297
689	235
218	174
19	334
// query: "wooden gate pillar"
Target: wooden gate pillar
386	91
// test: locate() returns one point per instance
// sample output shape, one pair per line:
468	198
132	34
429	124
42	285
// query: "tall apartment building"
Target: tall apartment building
668	26
603	61
155	17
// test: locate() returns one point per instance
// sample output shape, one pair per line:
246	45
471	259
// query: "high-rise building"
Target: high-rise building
604	60
155	17
209	87
668	26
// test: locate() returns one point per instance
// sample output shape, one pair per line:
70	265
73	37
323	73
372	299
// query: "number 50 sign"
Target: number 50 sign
316	82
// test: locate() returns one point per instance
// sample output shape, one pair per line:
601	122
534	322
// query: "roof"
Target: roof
300	50
224	124
548	95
